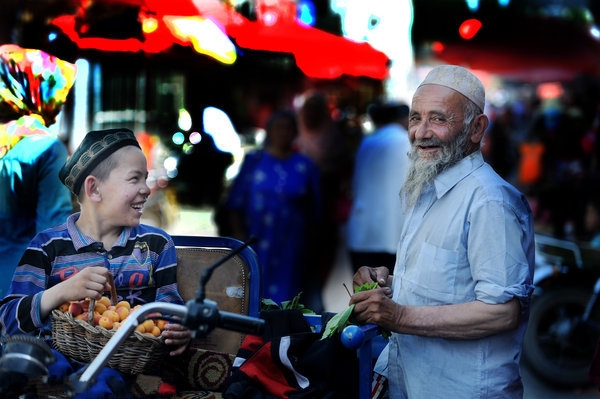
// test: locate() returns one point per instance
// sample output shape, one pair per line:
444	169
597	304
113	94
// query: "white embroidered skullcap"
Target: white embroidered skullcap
459	79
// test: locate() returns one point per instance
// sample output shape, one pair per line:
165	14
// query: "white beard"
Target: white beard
422	171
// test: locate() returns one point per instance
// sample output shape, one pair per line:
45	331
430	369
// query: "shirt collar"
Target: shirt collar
451	176
80	240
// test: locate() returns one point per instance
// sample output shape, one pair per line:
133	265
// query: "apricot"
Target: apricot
85	304
82	316
64	307
104	300
76	309
97	317
106	322
123	304
113	315
161	324
148	325
155	331
99	307
140	328
123	312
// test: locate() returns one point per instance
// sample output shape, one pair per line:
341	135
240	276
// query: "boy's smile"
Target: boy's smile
125	191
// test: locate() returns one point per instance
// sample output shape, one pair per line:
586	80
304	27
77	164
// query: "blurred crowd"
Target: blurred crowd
543	144
546	146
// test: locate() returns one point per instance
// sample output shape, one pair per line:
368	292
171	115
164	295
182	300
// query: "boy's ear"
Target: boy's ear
91	189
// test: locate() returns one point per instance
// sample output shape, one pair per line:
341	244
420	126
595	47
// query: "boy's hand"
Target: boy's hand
90	282
176	335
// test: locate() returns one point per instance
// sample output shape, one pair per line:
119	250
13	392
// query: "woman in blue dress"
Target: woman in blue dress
276	198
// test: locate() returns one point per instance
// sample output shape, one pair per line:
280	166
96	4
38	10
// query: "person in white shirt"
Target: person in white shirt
381	164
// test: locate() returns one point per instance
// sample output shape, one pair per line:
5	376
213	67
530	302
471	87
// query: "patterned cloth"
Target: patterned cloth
33	82
196	370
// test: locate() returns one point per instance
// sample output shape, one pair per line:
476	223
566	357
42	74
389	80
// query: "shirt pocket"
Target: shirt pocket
434	276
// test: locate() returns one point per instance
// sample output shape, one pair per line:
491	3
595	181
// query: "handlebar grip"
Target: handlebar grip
240	323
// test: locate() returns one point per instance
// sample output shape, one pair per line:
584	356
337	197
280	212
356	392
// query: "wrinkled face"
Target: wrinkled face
439	136
125	191
436	118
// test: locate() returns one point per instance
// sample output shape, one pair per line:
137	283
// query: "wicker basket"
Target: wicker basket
79	340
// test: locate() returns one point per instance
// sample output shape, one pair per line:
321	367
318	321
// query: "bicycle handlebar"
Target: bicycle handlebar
242	324
203	317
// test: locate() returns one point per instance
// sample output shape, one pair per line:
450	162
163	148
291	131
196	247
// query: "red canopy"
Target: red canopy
318	54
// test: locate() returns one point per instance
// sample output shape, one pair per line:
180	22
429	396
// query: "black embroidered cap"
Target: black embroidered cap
95	147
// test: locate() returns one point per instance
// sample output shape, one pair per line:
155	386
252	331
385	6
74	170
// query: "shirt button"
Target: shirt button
109	256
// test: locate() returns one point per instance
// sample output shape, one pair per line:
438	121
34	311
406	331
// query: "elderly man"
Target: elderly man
457	304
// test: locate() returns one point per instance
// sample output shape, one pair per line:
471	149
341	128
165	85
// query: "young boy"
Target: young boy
107	173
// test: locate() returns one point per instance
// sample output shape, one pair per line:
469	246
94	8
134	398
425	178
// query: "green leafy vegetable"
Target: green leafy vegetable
338	322
269	304
366	287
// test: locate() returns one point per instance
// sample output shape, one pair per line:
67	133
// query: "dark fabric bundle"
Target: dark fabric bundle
291	361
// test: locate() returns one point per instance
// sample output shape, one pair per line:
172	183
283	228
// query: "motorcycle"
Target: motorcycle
564	322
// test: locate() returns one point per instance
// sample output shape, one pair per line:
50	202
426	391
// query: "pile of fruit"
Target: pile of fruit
111	316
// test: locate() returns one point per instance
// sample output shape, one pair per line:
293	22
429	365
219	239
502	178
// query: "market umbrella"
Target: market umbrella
318	54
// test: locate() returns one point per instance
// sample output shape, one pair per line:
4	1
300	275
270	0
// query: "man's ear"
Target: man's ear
479	126
92	189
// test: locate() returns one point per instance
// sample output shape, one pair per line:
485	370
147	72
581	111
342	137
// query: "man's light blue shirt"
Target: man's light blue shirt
470	237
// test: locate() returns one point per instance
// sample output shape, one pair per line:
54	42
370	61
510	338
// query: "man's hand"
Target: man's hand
376	307
381	275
